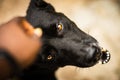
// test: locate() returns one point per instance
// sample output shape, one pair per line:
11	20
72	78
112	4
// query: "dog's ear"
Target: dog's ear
41	5
37	9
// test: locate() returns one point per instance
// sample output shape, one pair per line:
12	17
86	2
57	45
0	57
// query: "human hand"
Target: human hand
20	40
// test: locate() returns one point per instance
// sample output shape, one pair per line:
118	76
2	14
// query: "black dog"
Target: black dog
63	43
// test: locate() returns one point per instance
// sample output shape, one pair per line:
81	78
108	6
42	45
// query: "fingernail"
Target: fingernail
38	32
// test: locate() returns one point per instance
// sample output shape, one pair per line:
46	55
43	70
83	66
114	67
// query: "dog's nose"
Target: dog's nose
94	52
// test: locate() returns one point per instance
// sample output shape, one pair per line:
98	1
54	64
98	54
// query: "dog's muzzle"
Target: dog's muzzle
94	54
101	55
97	54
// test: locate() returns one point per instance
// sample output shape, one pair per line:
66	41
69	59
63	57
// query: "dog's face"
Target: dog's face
63	42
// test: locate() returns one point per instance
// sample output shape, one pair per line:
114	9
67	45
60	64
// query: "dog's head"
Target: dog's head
63	42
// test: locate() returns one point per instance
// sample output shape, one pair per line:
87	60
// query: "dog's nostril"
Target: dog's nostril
96	47
93	48
97	53
94	51
97	50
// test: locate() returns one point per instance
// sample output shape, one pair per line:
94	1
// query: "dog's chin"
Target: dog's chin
86	65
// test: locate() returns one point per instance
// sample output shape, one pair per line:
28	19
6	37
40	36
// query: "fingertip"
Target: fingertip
38	32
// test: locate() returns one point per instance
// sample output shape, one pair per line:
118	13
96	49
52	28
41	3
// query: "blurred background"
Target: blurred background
99	18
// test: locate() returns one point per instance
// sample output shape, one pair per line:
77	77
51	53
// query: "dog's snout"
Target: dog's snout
93	51
96	52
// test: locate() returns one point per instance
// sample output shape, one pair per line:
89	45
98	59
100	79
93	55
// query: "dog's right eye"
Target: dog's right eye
59	27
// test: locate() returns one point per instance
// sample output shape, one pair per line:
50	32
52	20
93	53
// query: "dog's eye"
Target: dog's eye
59	27
49	57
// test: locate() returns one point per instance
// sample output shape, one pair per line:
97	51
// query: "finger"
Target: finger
38	32
29	30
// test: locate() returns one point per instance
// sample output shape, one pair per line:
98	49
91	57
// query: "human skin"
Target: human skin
20	40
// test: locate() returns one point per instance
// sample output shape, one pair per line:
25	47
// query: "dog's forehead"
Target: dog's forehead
43	17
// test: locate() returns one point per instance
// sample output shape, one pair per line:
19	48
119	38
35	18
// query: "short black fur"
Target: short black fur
70	46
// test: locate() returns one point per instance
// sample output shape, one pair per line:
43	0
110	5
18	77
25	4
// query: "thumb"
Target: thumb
38	32
30	30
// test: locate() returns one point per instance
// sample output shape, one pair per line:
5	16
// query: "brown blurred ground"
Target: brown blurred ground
99	18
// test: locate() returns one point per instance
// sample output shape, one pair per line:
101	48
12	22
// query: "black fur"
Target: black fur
71	46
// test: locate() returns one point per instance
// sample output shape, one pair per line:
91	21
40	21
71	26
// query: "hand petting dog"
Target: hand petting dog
19	45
